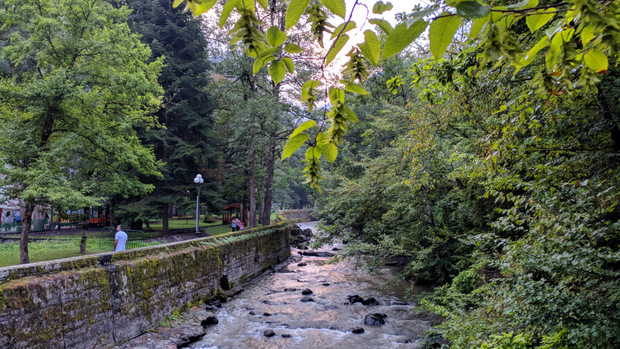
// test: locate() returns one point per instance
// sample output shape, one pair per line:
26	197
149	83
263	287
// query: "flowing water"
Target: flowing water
274	302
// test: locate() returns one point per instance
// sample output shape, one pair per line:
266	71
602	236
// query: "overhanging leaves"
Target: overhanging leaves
401	37
441	33
294	11
293	144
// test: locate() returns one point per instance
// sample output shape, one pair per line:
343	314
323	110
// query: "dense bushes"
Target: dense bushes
505	199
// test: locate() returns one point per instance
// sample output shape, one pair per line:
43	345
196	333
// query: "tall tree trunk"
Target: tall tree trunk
84	231
267	201
23	243
252	158
111	213
165	214
261	211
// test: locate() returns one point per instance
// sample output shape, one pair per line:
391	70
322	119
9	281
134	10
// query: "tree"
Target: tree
78	84
186	143
579	38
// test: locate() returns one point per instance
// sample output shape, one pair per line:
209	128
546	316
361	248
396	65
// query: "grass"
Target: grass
39	251
63	246
183	224
68	245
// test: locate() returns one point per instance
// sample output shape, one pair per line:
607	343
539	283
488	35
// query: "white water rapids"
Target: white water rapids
273	302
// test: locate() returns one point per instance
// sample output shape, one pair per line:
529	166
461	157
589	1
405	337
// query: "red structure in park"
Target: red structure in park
233	210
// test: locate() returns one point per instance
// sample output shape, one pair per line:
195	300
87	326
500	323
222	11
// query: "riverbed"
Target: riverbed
309	302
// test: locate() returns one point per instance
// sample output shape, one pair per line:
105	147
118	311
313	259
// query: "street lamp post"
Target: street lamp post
198	180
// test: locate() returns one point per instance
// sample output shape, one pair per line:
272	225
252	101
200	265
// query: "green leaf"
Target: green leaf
349	114
384	25
293	144
306	125
277	71
371	47
260	62
329	151
336	95
596	60
292	48
228	7
262	3
337	7
536	21
555	49
531	54
401	37
381	7
477	26
336	47
355	88
472	9
441	33
203	7
176	3
290	65
349	26
587	34
307	86
525	4
275	37
294	11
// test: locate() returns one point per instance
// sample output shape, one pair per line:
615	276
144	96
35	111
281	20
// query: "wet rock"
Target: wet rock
370	301
284	270
306	292
307	299
375	319
316	254
210	321
269	333
326	284
286	335
296	230
355	298
266	314
357	330
302	264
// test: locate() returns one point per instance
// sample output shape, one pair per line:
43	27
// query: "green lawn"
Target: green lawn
65	246
45	250
182	224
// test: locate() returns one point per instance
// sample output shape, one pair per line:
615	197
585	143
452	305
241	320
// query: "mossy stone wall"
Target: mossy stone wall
101	301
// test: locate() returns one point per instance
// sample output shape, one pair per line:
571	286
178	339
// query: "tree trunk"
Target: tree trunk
111	213
23	243
266	217
84	231
252	204
165	214
261	211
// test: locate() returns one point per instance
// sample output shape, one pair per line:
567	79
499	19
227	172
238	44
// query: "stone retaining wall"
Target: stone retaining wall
298	215
103	300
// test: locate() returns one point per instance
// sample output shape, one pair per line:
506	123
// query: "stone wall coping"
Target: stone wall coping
105	258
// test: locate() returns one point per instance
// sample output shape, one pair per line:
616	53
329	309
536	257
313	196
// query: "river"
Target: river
323	319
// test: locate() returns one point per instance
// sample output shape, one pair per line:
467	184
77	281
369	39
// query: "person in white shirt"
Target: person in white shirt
120	239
